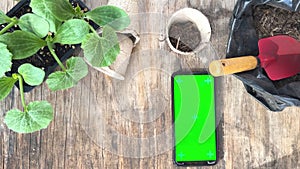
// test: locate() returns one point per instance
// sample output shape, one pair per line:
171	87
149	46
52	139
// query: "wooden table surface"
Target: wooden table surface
106	123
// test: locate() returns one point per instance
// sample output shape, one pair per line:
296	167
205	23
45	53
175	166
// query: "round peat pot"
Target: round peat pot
188	30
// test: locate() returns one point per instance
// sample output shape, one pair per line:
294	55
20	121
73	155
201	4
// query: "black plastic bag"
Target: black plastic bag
243	41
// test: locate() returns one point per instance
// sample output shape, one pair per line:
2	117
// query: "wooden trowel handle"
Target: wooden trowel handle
233	65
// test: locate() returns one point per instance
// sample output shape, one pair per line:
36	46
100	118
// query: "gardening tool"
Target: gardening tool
278	55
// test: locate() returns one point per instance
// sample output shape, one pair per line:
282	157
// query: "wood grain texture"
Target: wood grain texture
106	123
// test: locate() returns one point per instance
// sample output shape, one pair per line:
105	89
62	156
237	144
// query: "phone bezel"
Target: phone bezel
191	163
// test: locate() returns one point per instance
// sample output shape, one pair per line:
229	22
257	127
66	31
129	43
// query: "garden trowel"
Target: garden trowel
279	56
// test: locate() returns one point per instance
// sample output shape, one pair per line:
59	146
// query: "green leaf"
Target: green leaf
72	32
38	116
79	13
34	24
5	59
54	11
60	9
76	70
32	75
110	34
6	85
109	15
4	18
22	44
101	51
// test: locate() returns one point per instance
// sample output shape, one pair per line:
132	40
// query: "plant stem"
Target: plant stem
49	44
22	92
11	24
93	30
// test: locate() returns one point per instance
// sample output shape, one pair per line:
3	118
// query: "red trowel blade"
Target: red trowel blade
279	56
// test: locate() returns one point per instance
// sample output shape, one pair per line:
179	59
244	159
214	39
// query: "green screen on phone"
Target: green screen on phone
194	118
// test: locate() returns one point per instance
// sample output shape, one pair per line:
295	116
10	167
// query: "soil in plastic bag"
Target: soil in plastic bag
256	19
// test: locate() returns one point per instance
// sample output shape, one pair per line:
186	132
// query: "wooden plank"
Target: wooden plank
263	139
105	123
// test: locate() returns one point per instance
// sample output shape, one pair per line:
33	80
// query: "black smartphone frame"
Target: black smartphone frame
191	163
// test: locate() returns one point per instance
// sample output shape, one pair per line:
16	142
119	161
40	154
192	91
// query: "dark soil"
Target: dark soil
184	36
271	21
42	59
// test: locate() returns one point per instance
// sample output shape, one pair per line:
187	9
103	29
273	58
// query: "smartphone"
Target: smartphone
194	118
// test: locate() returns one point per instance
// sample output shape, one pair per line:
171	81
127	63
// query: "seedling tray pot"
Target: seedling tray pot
42	58
243	41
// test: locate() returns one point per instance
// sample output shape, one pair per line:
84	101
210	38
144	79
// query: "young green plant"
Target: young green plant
49	25
111	18
35	115
27	41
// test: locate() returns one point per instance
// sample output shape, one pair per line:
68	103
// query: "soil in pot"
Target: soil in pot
184	36
42	59
271	21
